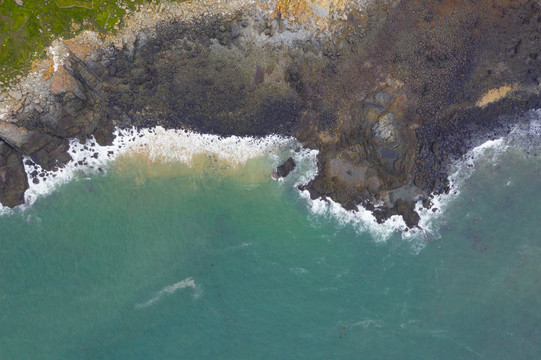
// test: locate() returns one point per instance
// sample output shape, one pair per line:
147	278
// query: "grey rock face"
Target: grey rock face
13	180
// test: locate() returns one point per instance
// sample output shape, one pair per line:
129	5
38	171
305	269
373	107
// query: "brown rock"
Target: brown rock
62	83
407	210
22	139
48	74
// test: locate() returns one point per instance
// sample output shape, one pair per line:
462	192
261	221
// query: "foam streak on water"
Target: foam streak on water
169	290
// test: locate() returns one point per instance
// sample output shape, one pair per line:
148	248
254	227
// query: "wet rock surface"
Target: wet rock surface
283	170
390	95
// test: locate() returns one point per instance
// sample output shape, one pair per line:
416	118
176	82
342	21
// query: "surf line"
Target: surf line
155	145
525	135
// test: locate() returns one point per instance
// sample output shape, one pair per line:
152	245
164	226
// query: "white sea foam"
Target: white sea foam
367	323
525	136
169	290
362	220
461	171
4	210
160	145
152	145
298	270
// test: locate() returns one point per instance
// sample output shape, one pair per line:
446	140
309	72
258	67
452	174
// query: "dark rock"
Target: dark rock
106	63
53	155
283	170
22	139
375	137
407	210
13	180
112	70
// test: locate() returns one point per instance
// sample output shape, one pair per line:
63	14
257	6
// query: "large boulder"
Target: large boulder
283	170
22	139
371	154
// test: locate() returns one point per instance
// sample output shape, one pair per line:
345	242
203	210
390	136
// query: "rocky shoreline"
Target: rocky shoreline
389	92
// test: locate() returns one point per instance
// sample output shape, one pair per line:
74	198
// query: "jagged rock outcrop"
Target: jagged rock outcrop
283	170
372	152
39	126
448	56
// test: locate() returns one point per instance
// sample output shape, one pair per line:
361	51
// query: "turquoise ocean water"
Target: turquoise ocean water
159	261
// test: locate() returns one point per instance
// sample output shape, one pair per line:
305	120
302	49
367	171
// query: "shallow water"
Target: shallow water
164	261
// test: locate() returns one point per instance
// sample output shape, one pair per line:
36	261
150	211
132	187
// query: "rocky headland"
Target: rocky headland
389	92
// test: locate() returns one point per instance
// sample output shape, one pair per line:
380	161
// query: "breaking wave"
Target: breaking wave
160	145
156	145
525	138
